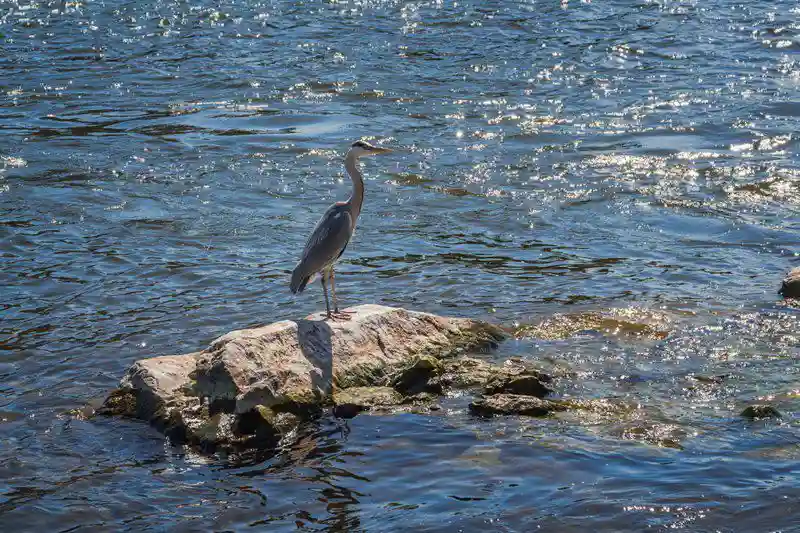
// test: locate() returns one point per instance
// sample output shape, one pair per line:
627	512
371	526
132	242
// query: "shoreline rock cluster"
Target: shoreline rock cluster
254	387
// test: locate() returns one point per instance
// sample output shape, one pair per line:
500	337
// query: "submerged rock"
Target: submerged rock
709	380
258	384
514	376
791	284
624	322
520	404
760	411
525	384
514	404
608	407
663	435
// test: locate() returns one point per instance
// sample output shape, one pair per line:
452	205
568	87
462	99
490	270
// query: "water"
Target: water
161	163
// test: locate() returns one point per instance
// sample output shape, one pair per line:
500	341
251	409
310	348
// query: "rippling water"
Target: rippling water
632	164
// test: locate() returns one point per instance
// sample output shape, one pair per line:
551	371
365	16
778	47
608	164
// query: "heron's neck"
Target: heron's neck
357	198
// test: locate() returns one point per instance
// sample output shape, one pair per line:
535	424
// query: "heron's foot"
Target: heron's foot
342	315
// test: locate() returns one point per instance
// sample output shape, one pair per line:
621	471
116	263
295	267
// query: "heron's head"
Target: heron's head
363	148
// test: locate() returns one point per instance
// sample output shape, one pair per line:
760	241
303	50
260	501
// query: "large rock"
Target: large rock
791	284
257	384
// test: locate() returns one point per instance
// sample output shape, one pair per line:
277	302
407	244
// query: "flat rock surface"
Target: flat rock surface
248	378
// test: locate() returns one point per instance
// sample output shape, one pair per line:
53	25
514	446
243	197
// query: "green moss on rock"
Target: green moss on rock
121	402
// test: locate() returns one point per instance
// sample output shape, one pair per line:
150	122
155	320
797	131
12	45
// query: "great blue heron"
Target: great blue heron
334	230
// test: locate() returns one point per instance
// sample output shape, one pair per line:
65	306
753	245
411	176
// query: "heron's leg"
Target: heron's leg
342	315
333	289
323	277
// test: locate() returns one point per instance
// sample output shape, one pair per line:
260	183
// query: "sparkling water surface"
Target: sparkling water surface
162	162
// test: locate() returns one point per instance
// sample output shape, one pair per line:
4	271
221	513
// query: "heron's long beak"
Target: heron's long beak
378	150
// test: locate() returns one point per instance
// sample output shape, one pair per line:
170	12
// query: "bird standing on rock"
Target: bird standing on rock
333	231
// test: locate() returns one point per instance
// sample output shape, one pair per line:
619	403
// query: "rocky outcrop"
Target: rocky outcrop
791	284
255	386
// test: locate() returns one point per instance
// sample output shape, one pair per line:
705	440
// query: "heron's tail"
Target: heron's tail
299	280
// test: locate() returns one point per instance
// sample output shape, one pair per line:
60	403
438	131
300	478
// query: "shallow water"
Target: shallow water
161	163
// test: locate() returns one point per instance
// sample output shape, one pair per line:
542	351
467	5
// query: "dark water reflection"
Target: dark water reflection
161	163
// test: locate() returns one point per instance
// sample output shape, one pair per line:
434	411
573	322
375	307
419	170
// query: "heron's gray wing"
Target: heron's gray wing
328	240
